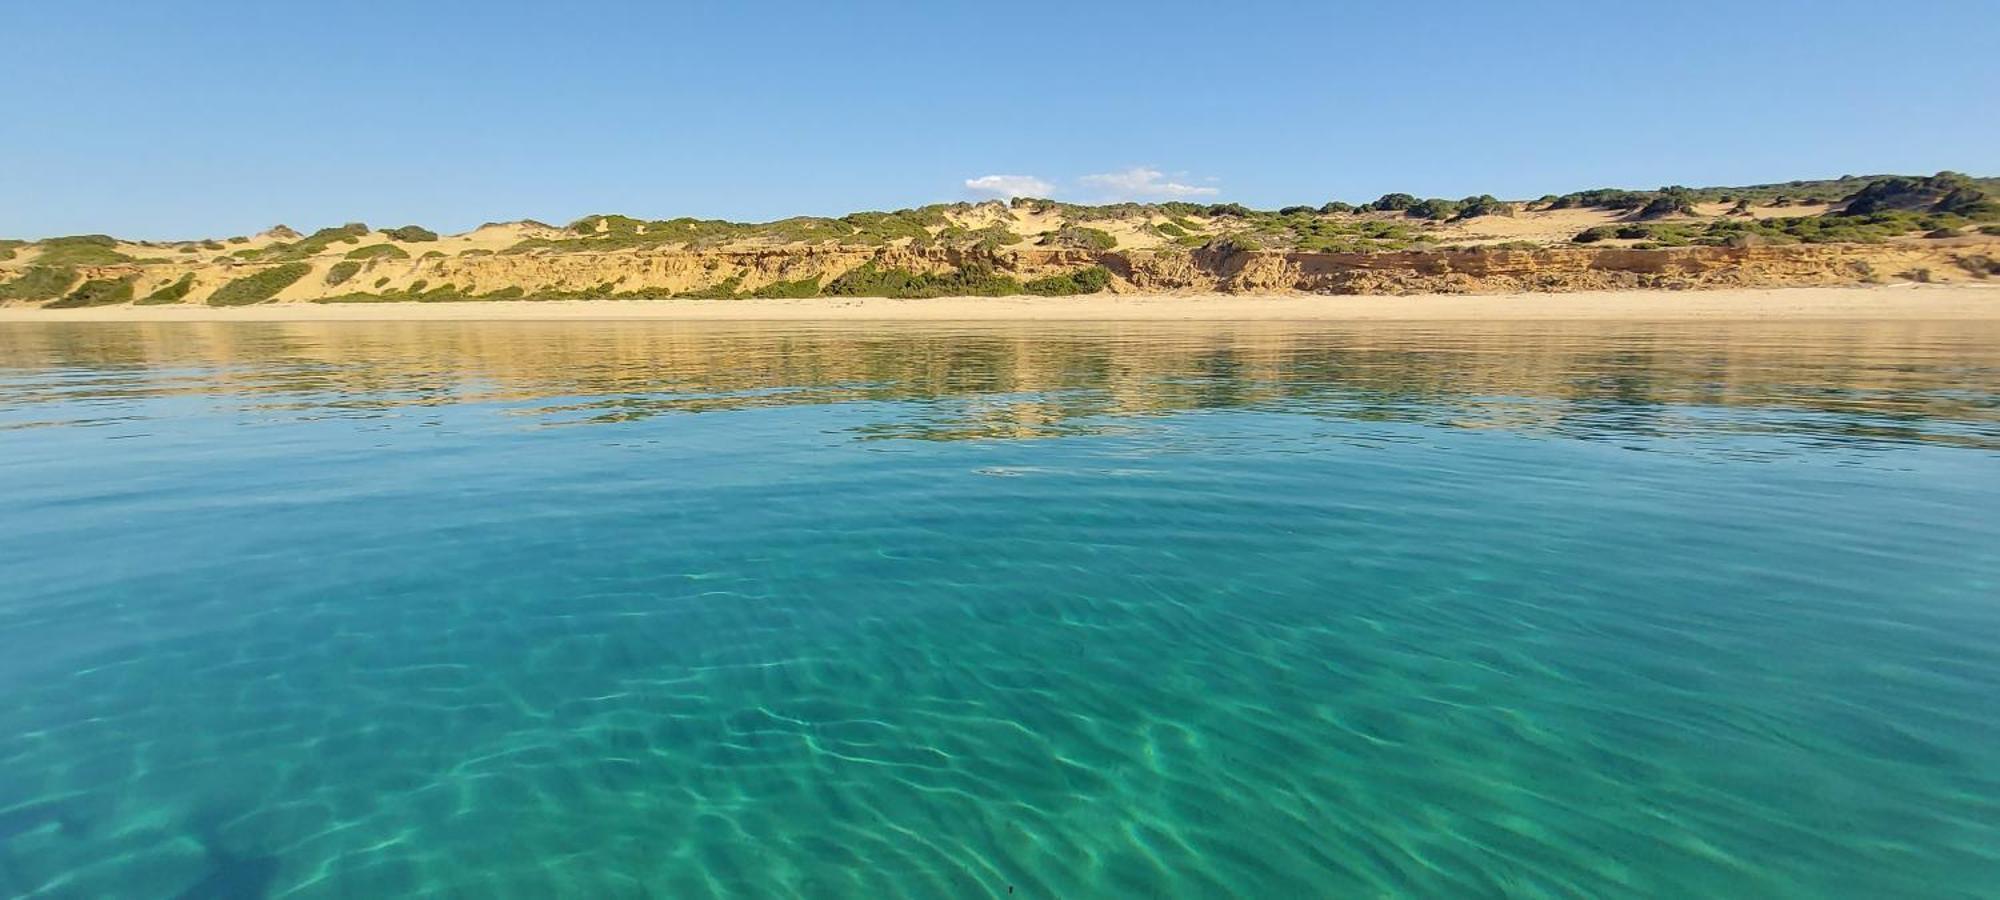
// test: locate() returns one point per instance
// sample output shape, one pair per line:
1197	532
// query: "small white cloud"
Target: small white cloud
1010	186
1142	183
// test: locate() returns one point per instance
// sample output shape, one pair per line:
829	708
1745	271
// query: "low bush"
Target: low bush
1433	209
1081	281
342	271
1393	203
81	250
377	251
973	280
788	290
1667	204
38	283
1080	238
1483	205
98	292
412	234
171	293
260	286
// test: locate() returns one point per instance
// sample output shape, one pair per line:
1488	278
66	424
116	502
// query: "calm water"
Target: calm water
639	610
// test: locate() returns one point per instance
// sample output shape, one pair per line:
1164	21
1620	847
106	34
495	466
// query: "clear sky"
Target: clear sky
201	117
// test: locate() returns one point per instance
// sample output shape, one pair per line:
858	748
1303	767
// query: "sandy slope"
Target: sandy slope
1901	302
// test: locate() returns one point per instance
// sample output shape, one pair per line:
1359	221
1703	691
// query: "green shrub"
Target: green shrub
1230	211
722	290
973	280
377	251
171	293
259	287
379	282
97	292
1336	207
1232	244
1989	229
788	290
1668	204
81	250
1081	281
1433	209
1944	233
412	234
39	283
1593	235
1170	230
7	248
1393	203
432	254
1080	238
1483	205
343	270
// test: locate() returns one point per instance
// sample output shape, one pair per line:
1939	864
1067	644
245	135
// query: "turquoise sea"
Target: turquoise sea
614	610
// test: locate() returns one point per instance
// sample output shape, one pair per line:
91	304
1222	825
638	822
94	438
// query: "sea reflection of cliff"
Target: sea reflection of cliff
1867	382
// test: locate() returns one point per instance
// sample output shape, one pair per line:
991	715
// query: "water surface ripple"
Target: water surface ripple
650	610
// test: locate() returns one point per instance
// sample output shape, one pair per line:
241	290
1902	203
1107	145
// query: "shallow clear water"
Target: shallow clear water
625	610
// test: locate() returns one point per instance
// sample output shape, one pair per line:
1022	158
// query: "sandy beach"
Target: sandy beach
1911	302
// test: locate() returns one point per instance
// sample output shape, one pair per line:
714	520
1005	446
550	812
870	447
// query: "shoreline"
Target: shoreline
1959	302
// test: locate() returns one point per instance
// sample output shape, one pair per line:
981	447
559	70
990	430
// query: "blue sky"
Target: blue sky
165	120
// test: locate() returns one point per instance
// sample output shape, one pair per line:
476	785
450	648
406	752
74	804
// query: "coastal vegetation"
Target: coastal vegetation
377	251
411	234
98	292
81	250
259	287
1025	245
341	271
39	283
173	292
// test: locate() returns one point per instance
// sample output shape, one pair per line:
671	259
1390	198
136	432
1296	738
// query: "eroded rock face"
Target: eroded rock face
663	273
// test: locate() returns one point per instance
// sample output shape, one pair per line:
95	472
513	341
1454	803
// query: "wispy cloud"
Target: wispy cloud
1141	183
1010	186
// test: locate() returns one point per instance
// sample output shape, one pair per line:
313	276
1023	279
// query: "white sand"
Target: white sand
1900	302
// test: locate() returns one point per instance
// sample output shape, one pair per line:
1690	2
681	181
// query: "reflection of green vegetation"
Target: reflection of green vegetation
259	287
39	283
81	250
98	292
170	293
